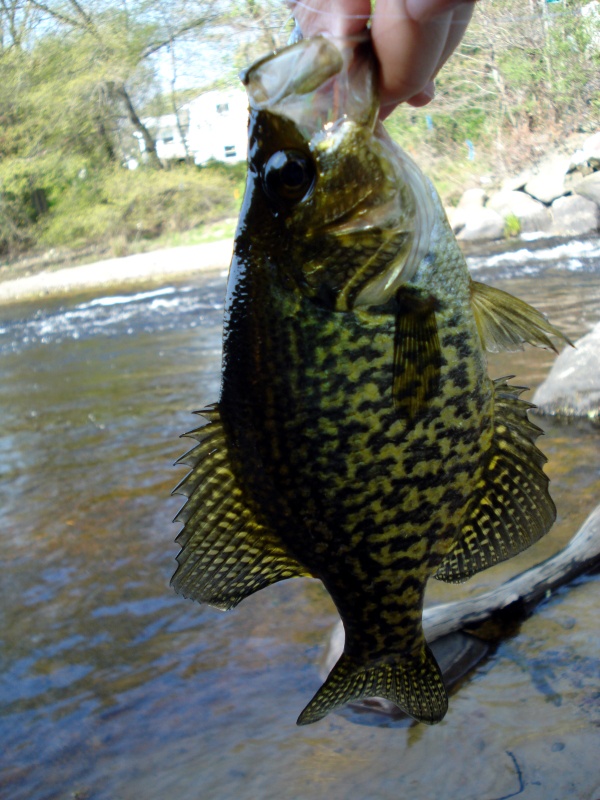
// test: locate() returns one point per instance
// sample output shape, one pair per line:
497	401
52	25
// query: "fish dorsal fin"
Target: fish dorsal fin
226	554
413	682
504	322
511	507
417	354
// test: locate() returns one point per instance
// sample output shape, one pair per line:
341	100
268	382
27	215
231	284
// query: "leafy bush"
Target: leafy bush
21	179
512	226
126	206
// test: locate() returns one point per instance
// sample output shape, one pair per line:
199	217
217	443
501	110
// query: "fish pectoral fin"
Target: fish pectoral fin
504	322
226	554
417	354
511	507
414	683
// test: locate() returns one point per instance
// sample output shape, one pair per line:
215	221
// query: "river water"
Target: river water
114	688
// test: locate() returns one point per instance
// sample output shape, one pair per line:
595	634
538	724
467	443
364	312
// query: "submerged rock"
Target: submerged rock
573	386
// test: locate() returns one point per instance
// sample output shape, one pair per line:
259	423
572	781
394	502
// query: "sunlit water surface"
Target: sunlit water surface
114	688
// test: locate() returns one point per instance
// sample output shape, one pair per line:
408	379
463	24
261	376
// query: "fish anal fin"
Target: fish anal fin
505	322
226	553
413	682
417	354
511	507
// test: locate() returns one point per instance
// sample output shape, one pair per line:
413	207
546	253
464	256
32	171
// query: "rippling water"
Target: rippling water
113	688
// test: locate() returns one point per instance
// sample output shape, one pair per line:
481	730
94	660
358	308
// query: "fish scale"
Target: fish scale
331	468
358	438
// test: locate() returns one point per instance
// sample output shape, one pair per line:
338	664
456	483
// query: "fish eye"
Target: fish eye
288	176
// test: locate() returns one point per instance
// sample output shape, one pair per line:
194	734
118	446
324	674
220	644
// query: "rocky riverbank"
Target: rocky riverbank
558	197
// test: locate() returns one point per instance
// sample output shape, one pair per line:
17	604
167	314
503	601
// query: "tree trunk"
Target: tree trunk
176	111
104	136
137	123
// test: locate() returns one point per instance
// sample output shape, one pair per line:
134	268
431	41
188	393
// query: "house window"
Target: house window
167	139
229	151
222	108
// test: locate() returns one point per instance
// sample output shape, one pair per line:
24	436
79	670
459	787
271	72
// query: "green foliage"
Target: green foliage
20	178
541	68
131	206
91	204
521	79
512	226
77	75
437	146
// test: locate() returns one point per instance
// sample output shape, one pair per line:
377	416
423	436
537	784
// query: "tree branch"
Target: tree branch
137	123
154	47
54	14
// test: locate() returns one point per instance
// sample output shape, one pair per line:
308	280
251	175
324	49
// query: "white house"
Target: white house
214	125
218	126
165	130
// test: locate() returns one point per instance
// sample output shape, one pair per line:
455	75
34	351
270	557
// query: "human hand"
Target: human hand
412	39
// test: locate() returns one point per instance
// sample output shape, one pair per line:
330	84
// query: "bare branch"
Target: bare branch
154	47
121	91
54	14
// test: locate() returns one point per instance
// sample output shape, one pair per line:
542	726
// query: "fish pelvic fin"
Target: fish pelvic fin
504	322
511	507
414	683
226	553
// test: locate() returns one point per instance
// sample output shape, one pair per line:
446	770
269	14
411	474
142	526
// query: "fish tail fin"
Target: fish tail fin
413	683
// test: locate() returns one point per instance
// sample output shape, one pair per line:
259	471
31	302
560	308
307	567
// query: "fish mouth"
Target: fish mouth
327	87
317	83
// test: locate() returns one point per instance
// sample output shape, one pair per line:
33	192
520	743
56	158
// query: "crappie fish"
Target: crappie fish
358	438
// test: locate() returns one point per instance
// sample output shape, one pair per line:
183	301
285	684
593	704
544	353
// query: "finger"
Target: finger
408	52
458	25
418	101
424	97
337	17
461	16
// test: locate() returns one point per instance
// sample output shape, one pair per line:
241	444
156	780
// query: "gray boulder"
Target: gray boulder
472	198
589	187
549	182
589	153
533	215
574	215
573	386
517	182
471	201
482	224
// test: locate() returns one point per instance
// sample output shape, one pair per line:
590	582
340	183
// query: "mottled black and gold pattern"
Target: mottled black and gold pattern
358	438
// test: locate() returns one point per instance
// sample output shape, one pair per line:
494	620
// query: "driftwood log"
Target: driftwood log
462	633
